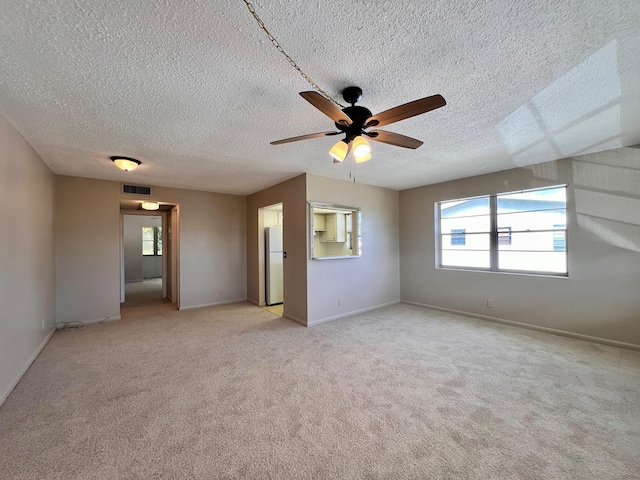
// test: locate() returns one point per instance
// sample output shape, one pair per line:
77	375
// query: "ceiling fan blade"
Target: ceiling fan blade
326	107
394	139
305	137
407	110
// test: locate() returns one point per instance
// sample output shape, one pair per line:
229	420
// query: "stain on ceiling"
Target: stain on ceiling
195	90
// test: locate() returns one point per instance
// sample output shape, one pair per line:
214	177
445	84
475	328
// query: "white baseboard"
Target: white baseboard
529	326
215	304
13	384
350	314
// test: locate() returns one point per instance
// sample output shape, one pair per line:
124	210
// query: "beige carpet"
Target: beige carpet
403	392
147	292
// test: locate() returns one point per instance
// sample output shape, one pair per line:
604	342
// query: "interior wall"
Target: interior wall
27	289
212	247
87	250
599	299
151	266
137	266
359	283
292	195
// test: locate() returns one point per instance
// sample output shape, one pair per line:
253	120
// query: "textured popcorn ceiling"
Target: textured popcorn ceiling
195	90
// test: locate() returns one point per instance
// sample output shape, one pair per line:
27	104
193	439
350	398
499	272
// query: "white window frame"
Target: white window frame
494	234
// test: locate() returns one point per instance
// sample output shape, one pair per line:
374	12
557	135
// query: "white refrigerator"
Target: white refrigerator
273	265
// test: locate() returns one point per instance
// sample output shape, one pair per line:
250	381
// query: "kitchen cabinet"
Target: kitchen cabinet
272	218
319	223
335	230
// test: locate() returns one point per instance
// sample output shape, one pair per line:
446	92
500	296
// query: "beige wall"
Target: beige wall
601	296
212	247
87	249
292	196
27	291
361	283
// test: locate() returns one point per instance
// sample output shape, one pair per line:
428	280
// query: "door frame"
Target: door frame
170	241
261	251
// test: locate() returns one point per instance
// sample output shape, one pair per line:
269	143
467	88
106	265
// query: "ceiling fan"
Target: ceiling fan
354	121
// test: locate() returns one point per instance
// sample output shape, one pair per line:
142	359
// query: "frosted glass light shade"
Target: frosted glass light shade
339	151
150	205
363	158
125	163
361	147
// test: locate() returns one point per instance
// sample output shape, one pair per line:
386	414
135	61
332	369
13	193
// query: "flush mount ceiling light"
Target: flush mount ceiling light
150	205
125	163
354	121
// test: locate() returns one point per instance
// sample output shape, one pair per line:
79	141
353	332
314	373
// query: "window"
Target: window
457	236
151	240
559	240
504	235
523	232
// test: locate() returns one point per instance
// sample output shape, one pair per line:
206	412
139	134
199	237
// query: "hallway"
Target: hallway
144	295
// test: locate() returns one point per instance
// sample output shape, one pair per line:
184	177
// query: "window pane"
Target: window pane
504	235
461	258
147	233
535	241
147	247
540	220
458	236
462	208
560	241
472	241
532	200
468	224
551	262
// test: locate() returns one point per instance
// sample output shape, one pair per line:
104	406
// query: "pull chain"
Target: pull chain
352	171
276	44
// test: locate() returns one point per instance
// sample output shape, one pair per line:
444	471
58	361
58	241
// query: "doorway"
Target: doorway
148	257
270	244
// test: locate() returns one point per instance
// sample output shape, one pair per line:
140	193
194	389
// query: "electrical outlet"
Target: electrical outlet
339	302
490	303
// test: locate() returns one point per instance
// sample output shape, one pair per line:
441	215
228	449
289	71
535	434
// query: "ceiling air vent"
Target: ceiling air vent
136	190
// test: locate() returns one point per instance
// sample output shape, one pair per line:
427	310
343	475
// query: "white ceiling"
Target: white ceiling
194	89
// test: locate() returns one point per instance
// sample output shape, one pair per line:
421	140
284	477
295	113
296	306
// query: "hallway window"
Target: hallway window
152	241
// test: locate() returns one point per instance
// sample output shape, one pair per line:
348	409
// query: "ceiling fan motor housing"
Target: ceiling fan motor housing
359	116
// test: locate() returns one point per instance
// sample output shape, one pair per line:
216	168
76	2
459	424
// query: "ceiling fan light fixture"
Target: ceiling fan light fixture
361	147
339	151
362	158
150	205
125	163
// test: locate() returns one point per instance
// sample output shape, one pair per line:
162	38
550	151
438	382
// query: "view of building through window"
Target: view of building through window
517	232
